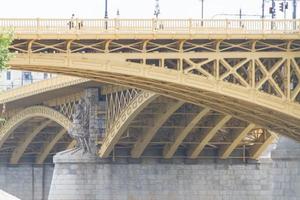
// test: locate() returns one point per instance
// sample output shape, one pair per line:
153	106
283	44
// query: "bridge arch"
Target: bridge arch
123	119
279	114
35	111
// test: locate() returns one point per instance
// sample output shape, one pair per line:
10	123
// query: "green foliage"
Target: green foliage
5	41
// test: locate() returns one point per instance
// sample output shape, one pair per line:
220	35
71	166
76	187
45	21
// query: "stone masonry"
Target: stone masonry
78	178
91	179
26	182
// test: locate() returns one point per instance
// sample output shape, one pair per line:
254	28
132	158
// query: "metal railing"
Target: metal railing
144	26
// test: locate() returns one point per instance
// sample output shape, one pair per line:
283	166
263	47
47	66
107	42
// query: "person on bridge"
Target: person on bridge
71	22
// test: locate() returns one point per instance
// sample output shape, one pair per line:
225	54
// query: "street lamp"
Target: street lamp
202	9
106	12
294	9
263	9
106	15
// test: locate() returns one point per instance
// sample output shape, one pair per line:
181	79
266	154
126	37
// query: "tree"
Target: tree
5	41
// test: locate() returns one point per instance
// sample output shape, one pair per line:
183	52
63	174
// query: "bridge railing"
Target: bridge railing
144	26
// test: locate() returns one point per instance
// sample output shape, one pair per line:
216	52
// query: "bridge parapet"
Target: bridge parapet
85	28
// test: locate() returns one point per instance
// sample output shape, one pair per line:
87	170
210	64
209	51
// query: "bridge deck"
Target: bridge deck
151	28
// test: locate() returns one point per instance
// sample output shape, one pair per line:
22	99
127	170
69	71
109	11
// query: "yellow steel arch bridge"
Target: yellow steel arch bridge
218	73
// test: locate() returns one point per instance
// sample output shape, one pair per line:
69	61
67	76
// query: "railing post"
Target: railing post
76	25
190	25
153	25
263	25
116	24
296	25
106	24
227	25
38	25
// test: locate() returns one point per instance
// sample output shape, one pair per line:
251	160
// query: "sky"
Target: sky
132	8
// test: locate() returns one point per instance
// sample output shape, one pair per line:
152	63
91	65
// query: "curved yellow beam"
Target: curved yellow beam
170	149
120	125
241	102
226	150
40	87
206	137
34	111
257	149
72	144
146	138
20	149
49	146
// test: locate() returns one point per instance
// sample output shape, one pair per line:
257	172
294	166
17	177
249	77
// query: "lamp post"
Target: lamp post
263	9
273	9
294	9
106	15
202	9
106	12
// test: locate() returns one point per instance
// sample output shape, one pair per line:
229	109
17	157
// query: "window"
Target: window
27	76
8	75
45	75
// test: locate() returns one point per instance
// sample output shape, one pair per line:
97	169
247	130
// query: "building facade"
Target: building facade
11	78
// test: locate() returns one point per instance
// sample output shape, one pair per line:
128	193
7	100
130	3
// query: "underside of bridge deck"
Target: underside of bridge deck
154	127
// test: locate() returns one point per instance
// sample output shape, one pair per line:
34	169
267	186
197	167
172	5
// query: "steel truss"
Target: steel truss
265	66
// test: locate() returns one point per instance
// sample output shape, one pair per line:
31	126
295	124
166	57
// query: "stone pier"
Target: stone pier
286	170
73	177
154	179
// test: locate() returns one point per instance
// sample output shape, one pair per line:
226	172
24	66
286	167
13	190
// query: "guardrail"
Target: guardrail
144	26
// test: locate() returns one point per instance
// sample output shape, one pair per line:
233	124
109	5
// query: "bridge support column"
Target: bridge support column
286	170
73	177
95	125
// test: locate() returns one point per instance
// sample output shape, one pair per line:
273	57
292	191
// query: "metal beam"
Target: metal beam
257	149
49	146
20	149
35	111
122	122
226	150
187	87
145	139
170	149
72	144
40	88
108	89
205	138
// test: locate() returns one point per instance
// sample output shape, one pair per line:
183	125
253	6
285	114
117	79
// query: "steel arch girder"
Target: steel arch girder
49	146
20	149
120	125
245	103
34	111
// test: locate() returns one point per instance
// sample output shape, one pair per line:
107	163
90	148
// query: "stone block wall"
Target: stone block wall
286	170
26	182
286	180
91	179
210	181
